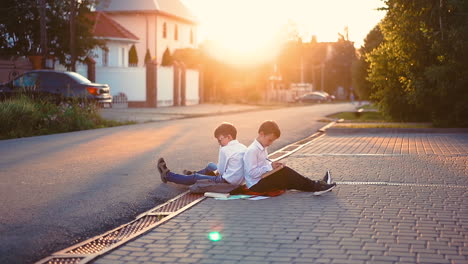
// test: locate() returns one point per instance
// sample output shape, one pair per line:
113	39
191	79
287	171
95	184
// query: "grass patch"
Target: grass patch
384	125
360	117
24	117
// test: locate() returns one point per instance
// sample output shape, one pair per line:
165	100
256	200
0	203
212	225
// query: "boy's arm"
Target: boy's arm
254	165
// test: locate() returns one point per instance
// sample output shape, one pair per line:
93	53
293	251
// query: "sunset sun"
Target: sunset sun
253	30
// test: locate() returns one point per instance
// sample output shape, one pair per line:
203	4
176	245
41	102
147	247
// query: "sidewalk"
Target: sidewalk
401	198
143	115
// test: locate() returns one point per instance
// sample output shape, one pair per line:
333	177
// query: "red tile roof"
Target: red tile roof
106	27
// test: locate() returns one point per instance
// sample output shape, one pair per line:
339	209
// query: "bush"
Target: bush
18	118
133	56
24	117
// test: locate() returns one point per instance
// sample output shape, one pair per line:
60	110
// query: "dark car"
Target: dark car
314	97
59	86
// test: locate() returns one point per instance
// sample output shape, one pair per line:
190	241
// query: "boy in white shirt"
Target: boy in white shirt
230	164
259	174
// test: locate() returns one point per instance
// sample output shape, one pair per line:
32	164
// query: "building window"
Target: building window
176	33
122	62
191	36
105	57
164	30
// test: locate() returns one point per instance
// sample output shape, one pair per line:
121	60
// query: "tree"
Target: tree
132	56
419	72
147	56
361	65
167	59
20	29
340	62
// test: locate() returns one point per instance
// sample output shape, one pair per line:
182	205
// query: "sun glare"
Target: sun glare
249	31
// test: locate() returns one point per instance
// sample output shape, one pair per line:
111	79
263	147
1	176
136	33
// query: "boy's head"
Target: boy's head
224	133
268	132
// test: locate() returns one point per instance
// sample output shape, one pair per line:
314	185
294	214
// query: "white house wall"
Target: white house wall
149	29
130	81
169	42
192	95
165	88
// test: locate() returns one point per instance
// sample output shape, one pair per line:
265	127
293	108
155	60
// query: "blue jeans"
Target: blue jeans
204	174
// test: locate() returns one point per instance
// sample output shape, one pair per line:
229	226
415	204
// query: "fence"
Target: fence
10	69
132	82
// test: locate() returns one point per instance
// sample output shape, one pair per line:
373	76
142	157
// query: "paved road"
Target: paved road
401	198
60	189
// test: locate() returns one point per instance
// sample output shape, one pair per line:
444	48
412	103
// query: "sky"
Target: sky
250	26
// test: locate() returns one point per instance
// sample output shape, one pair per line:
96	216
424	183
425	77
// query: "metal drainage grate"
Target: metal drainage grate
116	236
63	260
278	154
177	203
306	140
290	148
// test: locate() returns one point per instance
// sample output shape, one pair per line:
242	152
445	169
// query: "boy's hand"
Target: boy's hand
276	164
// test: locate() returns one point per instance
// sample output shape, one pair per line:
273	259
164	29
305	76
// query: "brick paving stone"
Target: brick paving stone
424	222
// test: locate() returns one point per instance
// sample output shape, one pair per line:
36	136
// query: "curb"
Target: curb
92	248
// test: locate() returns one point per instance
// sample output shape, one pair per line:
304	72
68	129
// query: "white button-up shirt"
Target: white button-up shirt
255	163
230	164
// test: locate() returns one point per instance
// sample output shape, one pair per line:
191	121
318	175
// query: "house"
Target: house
149	25
158	24
117	38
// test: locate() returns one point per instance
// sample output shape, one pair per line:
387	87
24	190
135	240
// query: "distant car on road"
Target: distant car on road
313	97
329	97
58	86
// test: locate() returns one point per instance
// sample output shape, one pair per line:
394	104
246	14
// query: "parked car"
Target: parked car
59	86
329	97
313	97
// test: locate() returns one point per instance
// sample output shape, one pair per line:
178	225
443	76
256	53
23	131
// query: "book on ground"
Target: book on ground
217	195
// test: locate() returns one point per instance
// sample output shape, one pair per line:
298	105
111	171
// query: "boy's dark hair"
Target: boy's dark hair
226	129
270	127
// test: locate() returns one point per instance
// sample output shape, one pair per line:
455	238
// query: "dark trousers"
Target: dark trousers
285	179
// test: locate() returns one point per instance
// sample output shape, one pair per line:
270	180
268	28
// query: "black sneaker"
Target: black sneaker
323	187
327	178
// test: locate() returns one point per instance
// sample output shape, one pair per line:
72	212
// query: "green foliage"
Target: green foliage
340	65
360	117
24	117
167	59
299	61
420	72
147	56
361	65
132	56
20	29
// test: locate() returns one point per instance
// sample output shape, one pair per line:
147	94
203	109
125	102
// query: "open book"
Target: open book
268	173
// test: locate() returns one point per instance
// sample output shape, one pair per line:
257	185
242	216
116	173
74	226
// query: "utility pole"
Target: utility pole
72	35
322	77
43	31
441	22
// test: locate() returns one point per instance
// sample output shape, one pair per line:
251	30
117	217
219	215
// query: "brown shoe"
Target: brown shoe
187	172
163	170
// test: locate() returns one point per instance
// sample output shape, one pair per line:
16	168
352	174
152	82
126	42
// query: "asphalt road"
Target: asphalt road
57	190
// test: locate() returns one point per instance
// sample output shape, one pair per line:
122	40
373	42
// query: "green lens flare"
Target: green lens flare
214	236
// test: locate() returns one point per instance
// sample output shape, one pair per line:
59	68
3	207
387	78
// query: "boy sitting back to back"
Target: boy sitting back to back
257	166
